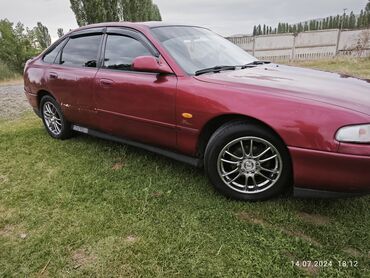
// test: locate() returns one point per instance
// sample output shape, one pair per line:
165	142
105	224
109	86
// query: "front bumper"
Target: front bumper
327	174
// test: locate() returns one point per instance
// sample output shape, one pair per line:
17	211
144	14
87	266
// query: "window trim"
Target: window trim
62	43
123	34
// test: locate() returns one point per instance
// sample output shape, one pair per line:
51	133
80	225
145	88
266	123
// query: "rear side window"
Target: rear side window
81	51
51	55
120	51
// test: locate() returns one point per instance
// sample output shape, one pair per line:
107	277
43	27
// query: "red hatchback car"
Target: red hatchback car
185	92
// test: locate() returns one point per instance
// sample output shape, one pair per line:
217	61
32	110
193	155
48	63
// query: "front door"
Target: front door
134	105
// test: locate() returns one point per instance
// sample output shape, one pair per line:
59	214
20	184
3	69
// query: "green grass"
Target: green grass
359	67
88	207
7	74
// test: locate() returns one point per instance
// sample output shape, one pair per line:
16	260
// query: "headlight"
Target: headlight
354	134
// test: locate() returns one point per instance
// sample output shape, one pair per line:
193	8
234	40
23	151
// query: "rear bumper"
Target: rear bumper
32	99
328	174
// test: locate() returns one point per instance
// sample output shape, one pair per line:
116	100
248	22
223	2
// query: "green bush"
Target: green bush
6	73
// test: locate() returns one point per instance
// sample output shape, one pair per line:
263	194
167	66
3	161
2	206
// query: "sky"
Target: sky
224	17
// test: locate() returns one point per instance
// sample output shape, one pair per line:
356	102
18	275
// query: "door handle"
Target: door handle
53	75
106	82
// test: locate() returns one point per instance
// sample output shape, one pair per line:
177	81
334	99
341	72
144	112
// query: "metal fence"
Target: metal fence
307	45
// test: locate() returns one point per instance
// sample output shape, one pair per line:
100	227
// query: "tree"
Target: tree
156	14
352	21
306	26
254	30
42	36
139	10
94	11
16	45
367	8
259	30
60	32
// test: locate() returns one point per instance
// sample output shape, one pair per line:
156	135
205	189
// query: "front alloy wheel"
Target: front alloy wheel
249	165
245	161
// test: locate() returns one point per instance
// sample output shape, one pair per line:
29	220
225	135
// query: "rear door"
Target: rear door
71	77
136	105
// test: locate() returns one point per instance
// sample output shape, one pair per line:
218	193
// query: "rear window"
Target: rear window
81	51
51	55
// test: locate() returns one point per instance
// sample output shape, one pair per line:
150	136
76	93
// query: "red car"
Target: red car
182	91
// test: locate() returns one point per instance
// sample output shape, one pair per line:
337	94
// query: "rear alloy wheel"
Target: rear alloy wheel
55	123
247	162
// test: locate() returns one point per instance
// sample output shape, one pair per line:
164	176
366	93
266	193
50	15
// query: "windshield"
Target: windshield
196	48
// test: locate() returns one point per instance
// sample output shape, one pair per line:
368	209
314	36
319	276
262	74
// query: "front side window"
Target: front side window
196	48
120	51
50	56
81	51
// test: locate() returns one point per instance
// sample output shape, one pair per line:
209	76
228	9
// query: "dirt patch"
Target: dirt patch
315	219
352	252
118	166
3	179
13	101
7	230
82	258
251	218
157	194
17	81
255	220
131	239
301	235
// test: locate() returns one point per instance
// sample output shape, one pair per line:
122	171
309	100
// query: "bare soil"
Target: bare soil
13	102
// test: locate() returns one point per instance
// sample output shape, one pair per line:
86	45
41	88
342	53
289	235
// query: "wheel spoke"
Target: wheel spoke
262	153
49	109
267	159
268	170
246	182
231	172
233	155
251	148
234	179
56	127
243	150
229	161
254	181
262	175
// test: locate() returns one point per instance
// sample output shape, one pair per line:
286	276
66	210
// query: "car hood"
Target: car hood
332	88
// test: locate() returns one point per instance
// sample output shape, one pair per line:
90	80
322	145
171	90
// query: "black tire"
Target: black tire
64	127
226	138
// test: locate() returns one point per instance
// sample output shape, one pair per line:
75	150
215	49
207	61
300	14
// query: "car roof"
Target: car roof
134	25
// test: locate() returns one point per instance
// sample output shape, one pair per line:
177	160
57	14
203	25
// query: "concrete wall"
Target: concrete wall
307	45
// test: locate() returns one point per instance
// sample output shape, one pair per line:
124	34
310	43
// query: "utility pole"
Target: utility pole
339	33
343	17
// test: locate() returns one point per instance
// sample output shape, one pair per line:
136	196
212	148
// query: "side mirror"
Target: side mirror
150	64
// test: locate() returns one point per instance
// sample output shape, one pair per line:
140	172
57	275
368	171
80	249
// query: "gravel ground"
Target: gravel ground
13	102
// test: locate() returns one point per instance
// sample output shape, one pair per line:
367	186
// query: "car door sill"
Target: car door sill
176	156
